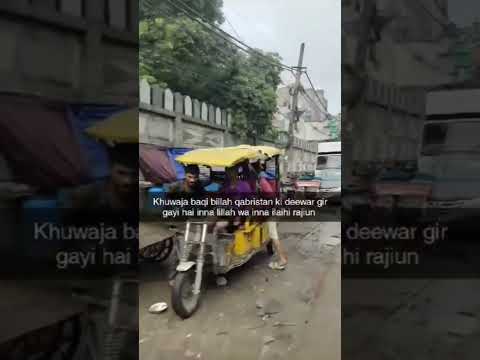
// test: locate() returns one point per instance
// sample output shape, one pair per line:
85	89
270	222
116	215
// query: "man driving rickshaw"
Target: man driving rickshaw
222	250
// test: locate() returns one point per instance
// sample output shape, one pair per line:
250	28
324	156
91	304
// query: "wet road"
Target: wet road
305	300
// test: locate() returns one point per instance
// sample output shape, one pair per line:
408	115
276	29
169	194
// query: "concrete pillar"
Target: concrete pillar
229	120
211	114
168	100
178	103
157	96
187	104
178	131
204	112
218	116
197	109
145	92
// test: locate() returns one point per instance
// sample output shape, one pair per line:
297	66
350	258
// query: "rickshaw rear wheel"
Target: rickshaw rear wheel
184	301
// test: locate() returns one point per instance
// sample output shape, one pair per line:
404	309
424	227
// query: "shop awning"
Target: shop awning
156	164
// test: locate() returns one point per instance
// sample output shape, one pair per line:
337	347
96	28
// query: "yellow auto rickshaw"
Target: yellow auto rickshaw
199	252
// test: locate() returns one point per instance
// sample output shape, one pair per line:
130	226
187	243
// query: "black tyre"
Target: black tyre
184	301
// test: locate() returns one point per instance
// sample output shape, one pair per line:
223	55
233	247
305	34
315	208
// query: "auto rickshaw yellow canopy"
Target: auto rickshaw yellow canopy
221	157
119	128
270	151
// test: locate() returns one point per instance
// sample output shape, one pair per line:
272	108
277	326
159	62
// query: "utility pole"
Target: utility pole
294	114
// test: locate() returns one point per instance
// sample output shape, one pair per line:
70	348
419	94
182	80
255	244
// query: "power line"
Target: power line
306	96
204	23
233	28
195	12
187	10
313	87
188	67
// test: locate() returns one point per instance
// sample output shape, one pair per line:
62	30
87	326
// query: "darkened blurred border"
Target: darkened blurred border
66	66
409	214
407	67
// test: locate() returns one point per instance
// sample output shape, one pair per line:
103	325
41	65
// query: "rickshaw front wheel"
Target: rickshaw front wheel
184	301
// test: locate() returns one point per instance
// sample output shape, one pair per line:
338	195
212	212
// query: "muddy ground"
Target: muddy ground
302	304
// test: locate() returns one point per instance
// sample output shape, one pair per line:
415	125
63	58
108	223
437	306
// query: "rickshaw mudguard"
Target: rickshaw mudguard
251	238
185	266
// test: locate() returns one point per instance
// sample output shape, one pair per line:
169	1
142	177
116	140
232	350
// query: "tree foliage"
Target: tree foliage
334	123
180	53
211	10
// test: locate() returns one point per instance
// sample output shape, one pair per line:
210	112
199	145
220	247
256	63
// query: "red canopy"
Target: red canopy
156	165
39	144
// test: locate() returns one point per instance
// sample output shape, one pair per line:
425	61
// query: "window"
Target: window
434	136
321	162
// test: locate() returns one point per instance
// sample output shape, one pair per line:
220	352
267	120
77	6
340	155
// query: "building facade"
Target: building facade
313	122
406	53
413	46
83	51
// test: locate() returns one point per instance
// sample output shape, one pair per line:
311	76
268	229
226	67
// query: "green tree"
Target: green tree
334	127
211	10
180	53
253	97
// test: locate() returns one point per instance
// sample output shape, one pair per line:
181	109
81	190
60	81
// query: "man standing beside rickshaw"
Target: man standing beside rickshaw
265	189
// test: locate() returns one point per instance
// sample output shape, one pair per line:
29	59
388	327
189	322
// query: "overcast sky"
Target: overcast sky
464	12
282	25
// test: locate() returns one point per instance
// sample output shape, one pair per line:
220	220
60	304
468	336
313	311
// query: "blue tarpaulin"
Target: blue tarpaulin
82	117
173	153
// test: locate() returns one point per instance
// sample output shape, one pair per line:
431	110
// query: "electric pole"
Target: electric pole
294	114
